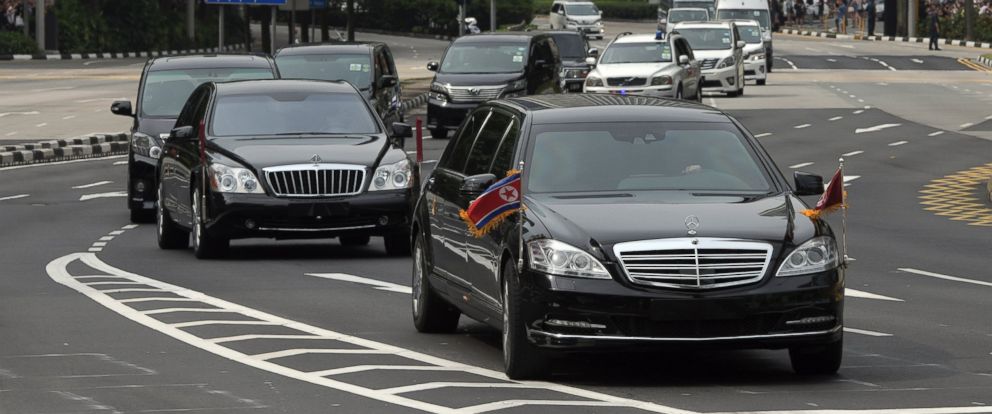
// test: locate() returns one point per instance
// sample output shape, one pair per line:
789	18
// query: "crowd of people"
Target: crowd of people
861	13
12	17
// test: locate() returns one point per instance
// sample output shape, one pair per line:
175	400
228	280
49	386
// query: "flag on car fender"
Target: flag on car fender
498	202
832	198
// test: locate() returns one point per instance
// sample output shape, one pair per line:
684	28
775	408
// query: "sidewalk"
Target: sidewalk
817	30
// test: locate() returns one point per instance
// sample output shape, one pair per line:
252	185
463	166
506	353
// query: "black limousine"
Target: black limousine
646	222
284	159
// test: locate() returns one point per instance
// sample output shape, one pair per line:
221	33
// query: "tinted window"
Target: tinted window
188	116
707	39
683	15
288	113
750	34
354	68
167	90
760	15
570	46
503	161
481	157
587	9
637	53
643	156
455	159
697	4
488	57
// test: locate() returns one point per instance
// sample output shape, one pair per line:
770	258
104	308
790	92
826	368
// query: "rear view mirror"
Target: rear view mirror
400	132
591	61
683	60
182	133
741	44
476	184
388	81
432	66
808	184
122	108
594	52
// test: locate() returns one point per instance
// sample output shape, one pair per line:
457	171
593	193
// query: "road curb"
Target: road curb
985	61
418	101
122	55
96	145
810	33
876	38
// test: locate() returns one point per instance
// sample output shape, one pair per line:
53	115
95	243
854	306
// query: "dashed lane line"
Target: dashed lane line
866	332
935	410
858	112
854	293
898	143
836	118
853	153
945	277
96	184
802	126
966	125
763	134
935	133
58	271
14	197
875	128
801	165
87	197
380	285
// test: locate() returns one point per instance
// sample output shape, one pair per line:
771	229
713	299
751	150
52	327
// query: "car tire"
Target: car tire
397	244
679	93
361	240
732	94
521	359
140	215
205	245
170	235
699	93
431	313
817	359
762	82
439	133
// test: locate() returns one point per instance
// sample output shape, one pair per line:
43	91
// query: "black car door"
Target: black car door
447	230
496	141
391	94
180	158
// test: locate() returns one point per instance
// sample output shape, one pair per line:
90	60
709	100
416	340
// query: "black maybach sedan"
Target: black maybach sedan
284	159
647	223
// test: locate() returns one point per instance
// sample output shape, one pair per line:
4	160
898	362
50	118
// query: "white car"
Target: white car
720	50
583	16
652	65
686	14
754	51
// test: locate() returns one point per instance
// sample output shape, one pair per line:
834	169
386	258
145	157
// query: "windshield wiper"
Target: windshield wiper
335	135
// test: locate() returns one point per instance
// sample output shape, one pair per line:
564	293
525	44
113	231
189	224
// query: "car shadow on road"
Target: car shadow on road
306	250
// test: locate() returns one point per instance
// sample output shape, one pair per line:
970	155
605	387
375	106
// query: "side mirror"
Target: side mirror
683	60
540	63
400	132
122	108
591	61
740	44
182	133
432	66
594	52
388	81
476	184
808	184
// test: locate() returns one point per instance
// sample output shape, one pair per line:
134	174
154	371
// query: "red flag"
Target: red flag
832	198
499	201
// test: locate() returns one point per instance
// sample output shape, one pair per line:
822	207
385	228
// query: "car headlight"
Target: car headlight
576	73
816	255
517	85
593	81
758	56
392	177
557	258
236	180
570	21
145	145
438	91
661	80
726	63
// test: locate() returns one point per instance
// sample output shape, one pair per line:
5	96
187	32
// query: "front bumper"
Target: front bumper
573	84
446	114
379	213
665	91
574	313
591	30
142	183
755	69
723	80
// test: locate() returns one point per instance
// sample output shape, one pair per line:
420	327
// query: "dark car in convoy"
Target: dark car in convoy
367	65
481	67
283	159
165	84
647	222
573	49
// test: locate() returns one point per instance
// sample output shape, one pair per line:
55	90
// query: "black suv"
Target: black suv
646	222
164	86
574	49
367	65
284	159
481	67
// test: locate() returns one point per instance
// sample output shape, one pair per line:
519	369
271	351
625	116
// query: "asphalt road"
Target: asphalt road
95	318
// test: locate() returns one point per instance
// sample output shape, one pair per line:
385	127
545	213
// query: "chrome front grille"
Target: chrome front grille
474	93
315	180
708	63
694	263
626	81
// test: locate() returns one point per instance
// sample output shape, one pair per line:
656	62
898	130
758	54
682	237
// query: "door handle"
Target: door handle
430	183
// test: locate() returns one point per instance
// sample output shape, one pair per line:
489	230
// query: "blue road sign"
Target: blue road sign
249	2
318	4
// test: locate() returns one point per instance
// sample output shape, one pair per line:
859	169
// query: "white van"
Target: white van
577	15
750	10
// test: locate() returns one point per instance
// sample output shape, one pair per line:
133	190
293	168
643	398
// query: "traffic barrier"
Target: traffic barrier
123	55
98	145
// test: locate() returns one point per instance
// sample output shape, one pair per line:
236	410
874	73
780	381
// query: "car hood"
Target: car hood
753	47
590	19
712	54
574	63
275	151
154	127
477	79
655	215
631	69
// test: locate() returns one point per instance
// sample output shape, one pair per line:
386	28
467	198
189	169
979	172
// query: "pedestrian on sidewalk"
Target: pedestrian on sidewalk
934	26
840	20
856	13
872	16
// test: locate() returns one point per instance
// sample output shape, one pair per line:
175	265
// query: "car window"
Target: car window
686	48
480	159
355	68
460	147
503	161
390	65
292	113
708	38
570	46
166	91
750	34
675	16
587	9
188	115
638	53
676	156
489	57
680	49
742	14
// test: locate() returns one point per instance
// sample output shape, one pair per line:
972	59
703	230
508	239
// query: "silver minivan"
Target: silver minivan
583	16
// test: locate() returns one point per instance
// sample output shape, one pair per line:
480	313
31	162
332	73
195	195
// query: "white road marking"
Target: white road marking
763	134
99	244
48	164
41	124
106	238
966	124
861	100
303	351
435	385
802	126
793	65
801	165
130	290
116	233
3	114
130	227
898	143
831	60
14	197
835	118
95	249
120	162
854	293
853	153
866	332
98	183
988	117
852	96
134	300
933	134
214	322
174	310
68	117
883	84
379	285
112	283
238	338
58	271
859	112
712	102
847	180
935	410
917	60
12	133
363	368
86	197
875	128
945	277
